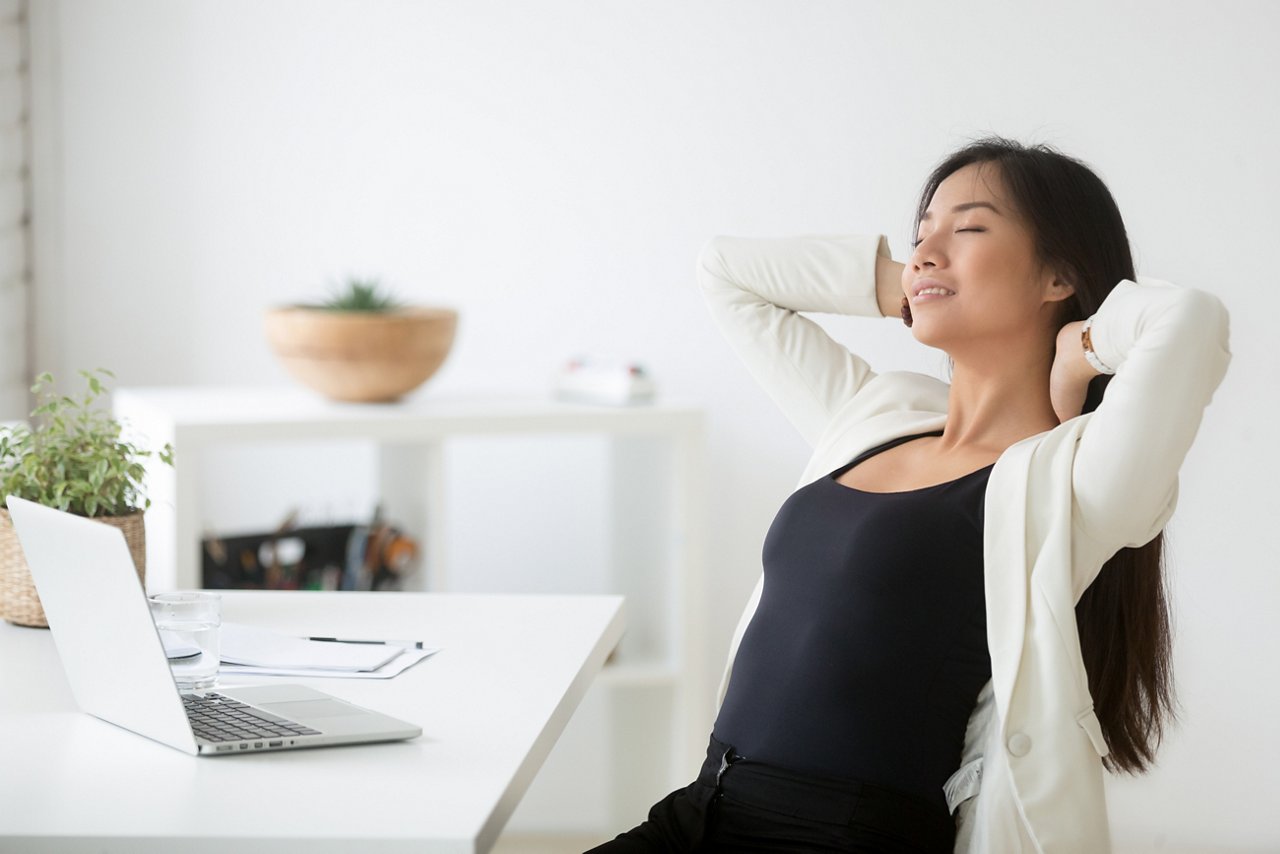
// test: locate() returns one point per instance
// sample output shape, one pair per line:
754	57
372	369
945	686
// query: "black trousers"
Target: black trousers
737	805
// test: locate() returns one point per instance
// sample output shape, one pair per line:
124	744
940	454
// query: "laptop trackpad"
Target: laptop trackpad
300	709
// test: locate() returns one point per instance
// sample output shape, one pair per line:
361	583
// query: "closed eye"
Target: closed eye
916	243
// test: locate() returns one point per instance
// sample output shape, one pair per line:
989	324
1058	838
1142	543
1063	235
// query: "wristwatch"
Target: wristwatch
1089	355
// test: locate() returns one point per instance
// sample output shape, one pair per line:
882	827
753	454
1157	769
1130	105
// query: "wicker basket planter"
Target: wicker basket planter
19	603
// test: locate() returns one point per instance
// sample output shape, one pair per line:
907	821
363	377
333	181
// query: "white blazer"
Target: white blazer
1058	504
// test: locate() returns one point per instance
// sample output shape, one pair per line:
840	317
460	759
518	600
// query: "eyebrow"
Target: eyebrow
964	207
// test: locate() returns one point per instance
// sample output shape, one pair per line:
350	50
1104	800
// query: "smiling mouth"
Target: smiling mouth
926	294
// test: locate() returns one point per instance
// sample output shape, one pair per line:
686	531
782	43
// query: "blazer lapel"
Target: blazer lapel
1005	550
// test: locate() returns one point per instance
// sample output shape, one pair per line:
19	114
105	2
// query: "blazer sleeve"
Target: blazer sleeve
756	289
1169	348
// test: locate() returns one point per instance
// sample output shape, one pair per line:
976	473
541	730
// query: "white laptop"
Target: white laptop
117	667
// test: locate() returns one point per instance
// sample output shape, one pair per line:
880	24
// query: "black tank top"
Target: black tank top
868	648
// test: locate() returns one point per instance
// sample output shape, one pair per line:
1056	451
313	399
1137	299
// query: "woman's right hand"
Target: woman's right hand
889	286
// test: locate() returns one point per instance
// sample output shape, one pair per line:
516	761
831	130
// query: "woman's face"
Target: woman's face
975	246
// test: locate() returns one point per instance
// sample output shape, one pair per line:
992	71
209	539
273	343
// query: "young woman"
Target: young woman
961	618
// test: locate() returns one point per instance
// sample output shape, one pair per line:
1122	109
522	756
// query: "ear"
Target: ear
1058	290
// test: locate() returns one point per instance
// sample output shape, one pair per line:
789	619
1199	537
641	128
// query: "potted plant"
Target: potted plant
361	345
73	459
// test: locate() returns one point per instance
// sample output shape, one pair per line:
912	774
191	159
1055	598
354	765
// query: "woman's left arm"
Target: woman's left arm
1169	348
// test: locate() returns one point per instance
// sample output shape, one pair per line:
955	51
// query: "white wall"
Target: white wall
552	168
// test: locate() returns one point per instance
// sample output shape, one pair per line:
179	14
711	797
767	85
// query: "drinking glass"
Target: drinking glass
188	622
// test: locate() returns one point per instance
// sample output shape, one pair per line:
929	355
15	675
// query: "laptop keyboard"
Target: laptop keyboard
217	718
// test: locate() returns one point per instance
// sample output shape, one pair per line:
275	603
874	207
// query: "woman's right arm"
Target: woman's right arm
889	285
756	289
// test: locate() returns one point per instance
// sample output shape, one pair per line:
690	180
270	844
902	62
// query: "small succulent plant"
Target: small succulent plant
357	294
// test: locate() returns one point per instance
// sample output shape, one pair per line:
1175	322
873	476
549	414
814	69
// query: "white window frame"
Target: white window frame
15	211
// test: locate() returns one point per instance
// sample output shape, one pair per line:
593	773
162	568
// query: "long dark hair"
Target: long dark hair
1123	617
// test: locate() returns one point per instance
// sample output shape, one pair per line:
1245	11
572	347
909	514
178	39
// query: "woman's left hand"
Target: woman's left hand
1071	372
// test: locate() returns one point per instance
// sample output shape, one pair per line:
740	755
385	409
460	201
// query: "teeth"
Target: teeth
942	291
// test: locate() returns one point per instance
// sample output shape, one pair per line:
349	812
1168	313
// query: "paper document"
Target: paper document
262	648
405	659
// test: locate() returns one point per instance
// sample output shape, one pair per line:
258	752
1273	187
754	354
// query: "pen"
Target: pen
406	643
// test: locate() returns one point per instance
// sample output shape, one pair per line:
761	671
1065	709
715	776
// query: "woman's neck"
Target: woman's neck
993	404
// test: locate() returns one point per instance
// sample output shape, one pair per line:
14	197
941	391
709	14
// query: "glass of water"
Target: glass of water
188	622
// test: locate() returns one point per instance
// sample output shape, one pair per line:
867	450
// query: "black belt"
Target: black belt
824	799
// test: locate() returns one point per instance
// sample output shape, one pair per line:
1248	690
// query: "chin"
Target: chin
922	333
929	338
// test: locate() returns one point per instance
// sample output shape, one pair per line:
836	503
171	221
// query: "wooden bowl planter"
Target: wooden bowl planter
362	357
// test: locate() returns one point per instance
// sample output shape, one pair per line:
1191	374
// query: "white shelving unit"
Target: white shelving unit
656	496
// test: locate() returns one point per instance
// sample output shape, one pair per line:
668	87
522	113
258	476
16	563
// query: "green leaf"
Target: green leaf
361	295
72	456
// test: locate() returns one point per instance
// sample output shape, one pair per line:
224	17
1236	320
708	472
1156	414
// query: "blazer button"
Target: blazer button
1019	744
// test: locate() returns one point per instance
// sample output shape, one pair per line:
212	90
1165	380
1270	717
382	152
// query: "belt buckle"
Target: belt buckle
726	761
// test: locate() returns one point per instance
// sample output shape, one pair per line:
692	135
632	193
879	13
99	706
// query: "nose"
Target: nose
924	254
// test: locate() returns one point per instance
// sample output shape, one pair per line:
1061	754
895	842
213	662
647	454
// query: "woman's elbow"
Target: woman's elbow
1205	319
713	264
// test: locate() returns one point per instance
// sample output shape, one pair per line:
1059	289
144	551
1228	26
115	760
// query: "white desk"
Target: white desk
491	705
656	506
